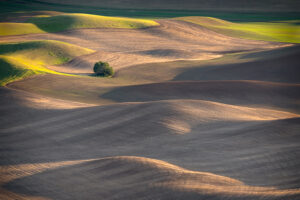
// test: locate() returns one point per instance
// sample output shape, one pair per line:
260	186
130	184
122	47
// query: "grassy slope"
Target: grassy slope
280	31
8	28
63	22
11	69
77	20
19	60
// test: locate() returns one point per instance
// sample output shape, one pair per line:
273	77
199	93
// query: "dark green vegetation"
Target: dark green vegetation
10	71
103	69
146	9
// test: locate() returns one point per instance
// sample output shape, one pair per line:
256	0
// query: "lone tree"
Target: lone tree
103	69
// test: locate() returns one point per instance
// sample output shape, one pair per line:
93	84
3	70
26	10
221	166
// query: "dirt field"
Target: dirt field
189	114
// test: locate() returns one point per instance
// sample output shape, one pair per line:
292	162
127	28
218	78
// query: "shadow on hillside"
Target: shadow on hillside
92	180
275	66
53	23
124	179
251	93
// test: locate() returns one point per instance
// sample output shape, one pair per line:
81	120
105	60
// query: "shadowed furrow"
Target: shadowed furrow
129	177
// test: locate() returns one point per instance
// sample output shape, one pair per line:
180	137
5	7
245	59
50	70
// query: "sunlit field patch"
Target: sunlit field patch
9	28
22	59
44	23
277	31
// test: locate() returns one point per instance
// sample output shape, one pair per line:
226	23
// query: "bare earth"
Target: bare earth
190	114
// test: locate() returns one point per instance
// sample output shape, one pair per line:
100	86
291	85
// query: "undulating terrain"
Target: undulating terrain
198	107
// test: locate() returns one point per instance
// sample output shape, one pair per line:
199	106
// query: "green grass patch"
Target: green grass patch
44	52
278	31
46	23
18	28
12	70
22	59
77	20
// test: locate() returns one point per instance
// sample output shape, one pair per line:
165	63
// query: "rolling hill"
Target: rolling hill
62	22
127	176
194	111
279	31
19	60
